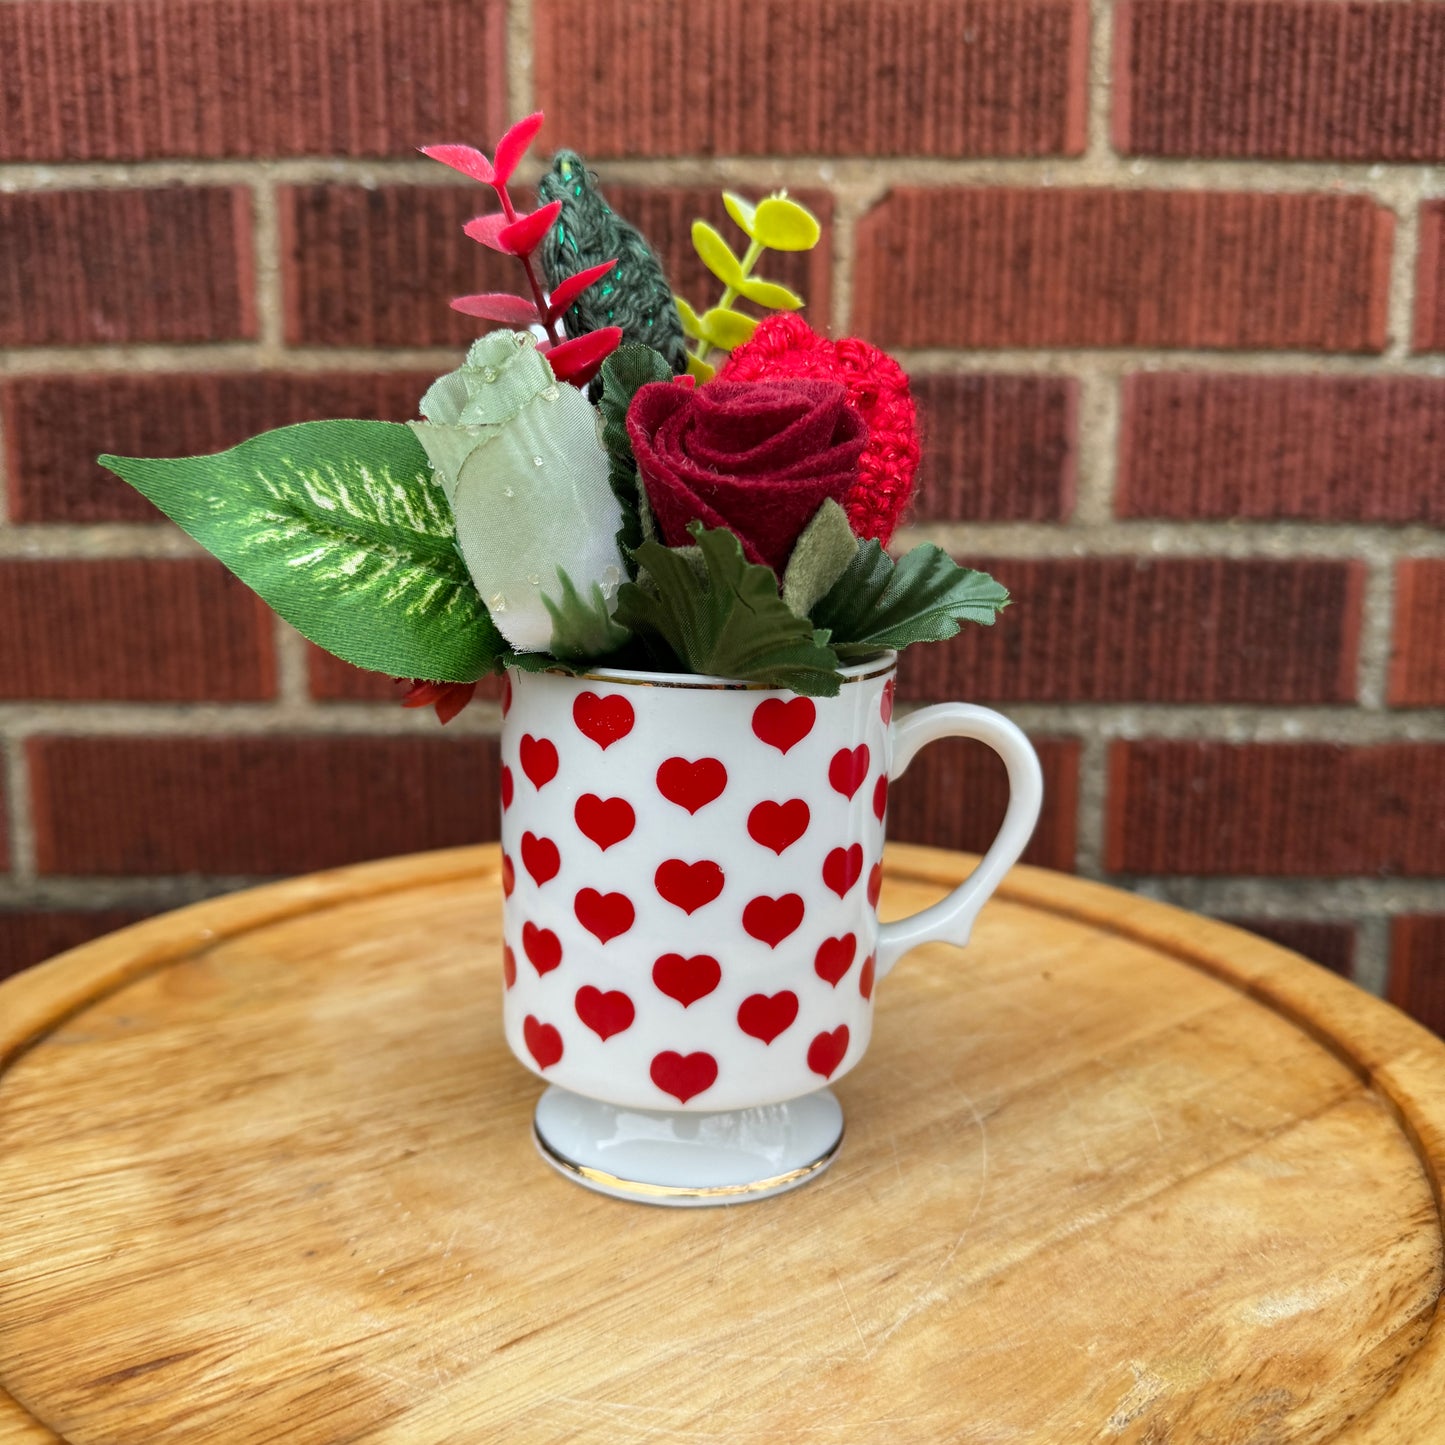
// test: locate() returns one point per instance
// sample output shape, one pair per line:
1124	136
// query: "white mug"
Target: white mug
691	940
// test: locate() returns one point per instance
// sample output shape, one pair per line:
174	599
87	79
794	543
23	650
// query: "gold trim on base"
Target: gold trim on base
613	1183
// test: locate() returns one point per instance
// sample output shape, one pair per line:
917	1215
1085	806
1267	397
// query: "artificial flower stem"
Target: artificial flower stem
538	298
730	294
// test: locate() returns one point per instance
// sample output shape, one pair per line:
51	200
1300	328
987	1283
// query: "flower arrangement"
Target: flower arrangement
585	489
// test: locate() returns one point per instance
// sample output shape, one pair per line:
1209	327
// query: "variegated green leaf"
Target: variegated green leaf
339	527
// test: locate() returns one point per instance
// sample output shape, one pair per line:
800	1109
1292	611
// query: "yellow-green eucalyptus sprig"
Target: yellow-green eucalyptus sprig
776	223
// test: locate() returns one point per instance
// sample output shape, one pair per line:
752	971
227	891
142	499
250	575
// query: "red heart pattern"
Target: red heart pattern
543	1041
605	720
604	915
771	920
542	947
604	1013
826	1051
684	1076
835	957
691	785
539	759
604	820
848	769
688	886
842	868
541	858
686	979
778	825
784	724
765	1017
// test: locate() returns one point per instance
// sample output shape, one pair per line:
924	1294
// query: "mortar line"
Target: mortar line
1372	953
1328	900
224	358
18	812
266	243
1096	438
1098	149
1400	318
1102	722
293	691
521	54
1091	812
1093	169
1376	639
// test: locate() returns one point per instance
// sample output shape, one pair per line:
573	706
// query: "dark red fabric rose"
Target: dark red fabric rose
787	346
756	457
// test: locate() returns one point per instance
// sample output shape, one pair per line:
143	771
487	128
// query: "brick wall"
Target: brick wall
1169	274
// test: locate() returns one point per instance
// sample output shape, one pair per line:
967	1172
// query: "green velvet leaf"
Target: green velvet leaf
820	556
582	627
733	624
623	373
923	597
339	527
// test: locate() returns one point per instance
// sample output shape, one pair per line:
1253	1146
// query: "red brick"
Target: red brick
1330	944
1326	448
1417	668
814	77
31	936
1277	809
968	268
332	680
1140	629
1430	279
996	448
254	805
954	794
132	630
132	79
108	266
664	214
1284	79
379	266
1417	968
55	426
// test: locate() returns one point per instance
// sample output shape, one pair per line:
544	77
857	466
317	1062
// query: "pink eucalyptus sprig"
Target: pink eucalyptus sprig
518	234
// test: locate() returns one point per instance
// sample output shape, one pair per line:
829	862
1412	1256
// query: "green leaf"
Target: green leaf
715	255
922	598
691	326
784	225
770	294
741	211
726	329
582	627
734	624
339	526
697	367
822	553
623	373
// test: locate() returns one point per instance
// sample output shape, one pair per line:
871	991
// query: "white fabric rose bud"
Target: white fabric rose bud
518	455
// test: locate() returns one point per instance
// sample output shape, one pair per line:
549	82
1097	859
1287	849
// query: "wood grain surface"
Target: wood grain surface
1116	1174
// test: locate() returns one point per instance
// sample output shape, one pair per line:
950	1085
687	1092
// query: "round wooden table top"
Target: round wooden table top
1118	1173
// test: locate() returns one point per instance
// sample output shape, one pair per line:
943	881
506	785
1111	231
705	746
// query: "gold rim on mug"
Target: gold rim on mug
615	1184
878	666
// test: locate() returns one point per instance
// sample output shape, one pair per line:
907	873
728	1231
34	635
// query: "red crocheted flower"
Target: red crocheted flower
786	345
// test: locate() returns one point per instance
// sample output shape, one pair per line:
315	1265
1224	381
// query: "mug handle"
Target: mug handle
950	920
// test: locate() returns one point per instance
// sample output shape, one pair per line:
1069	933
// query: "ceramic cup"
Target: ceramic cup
691	869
